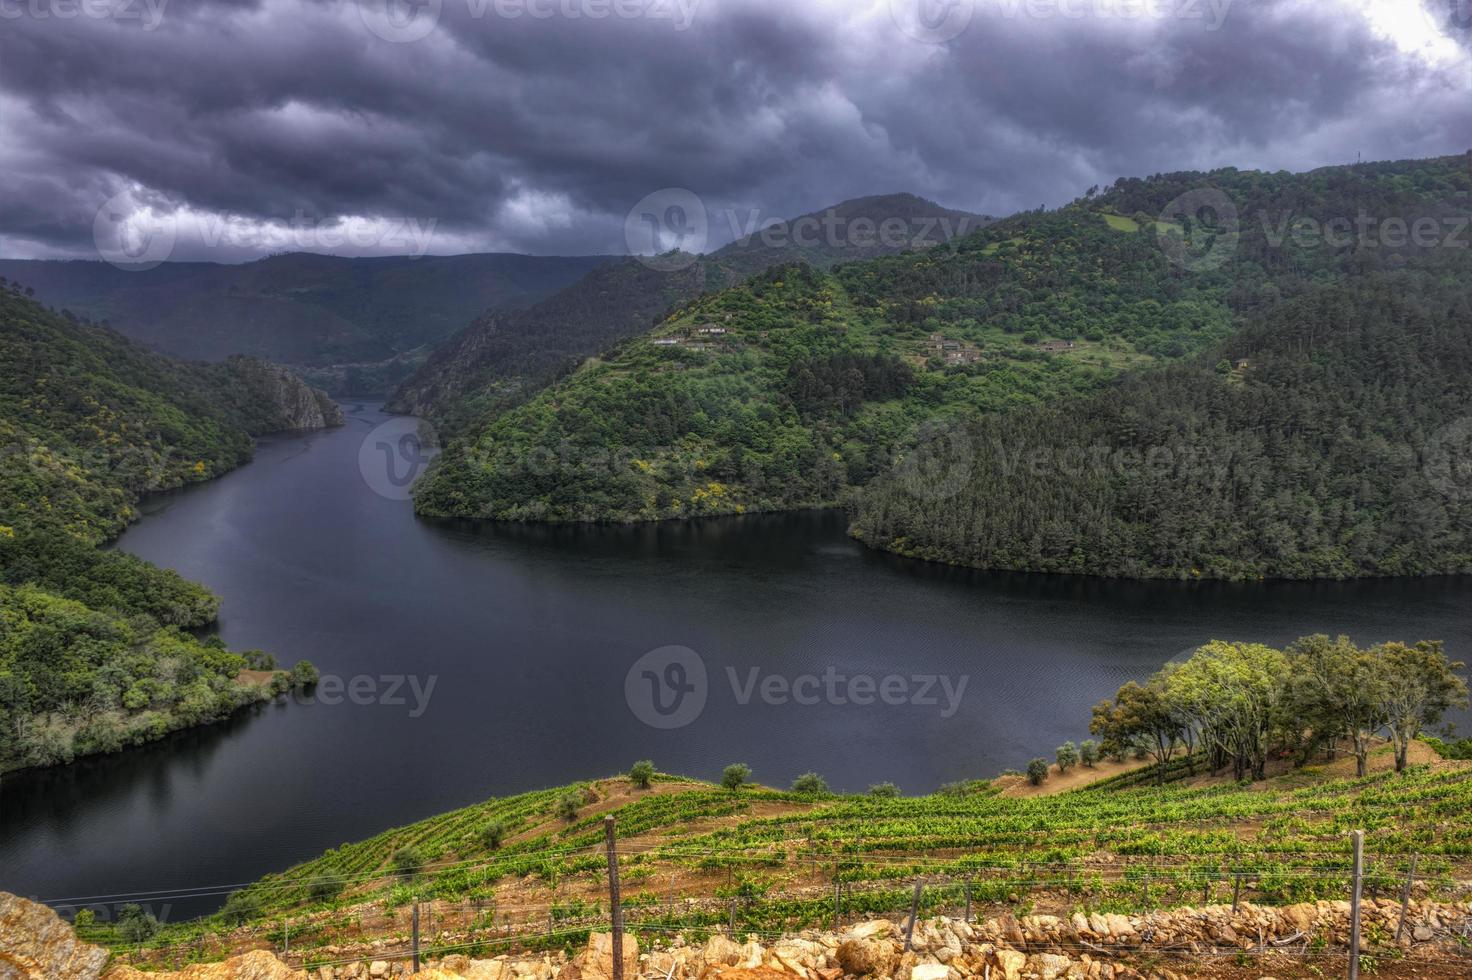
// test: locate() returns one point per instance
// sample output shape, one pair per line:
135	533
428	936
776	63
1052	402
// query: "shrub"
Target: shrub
568	805
492	834
240	907
407	862
1067	757
735	775
884	791
1037	771
136	925
304	674
642	774
810	784
325	889
1088	752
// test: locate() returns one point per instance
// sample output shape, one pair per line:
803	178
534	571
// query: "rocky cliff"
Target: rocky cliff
273	399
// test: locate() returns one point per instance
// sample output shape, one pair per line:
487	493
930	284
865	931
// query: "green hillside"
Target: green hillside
93	650
806	386
501	359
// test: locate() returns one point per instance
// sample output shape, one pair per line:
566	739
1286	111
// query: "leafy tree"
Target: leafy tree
810	784
1336	690
1088	752
1139	715
1067	756
642	774
1037	771
735	775
569	803
240	907
884	791
1420	685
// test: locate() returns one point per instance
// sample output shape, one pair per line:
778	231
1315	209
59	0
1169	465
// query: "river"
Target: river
462	662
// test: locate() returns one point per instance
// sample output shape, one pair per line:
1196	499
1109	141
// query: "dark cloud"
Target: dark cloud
238	122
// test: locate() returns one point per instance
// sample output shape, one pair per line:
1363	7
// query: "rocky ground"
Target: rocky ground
1211	942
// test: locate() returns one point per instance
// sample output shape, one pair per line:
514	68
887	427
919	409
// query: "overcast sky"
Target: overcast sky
537	125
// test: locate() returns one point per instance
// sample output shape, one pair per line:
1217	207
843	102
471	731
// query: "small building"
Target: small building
1056	346
666	342
710	330
1242	363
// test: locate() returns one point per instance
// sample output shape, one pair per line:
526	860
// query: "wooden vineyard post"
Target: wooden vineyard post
1356	888
837	899
914	913
414	936
615	911
1236	891
967	917
1405	899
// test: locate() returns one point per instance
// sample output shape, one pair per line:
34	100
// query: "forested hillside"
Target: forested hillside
93	653
1329	438
800	387
504	357
356	324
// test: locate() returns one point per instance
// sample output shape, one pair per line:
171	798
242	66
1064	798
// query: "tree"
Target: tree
1088	752
1335	690
735	775
304	674
240	907
568	805
1420	685
642	774
1066	756
1139	714
1037	771
810	784
884	791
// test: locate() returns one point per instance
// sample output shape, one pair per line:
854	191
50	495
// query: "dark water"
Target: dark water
528	635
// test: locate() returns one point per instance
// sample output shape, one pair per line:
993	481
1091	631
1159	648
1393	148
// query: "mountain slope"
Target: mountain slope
800	388
307	310
93	653
500	359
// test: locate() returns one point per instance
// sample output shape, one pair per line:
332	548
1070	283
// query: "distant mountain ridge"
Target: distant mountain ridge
504	356
352	324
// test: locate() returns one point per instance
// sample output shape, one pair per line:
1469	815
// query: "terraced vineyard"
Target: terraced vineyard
516	873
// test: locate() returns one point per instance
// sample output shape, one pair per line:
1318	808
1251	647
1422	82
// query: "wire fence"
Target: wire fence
840	888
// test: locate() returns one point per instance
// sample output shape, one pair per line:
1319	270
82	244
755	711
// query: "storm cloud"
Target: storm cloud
396	126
